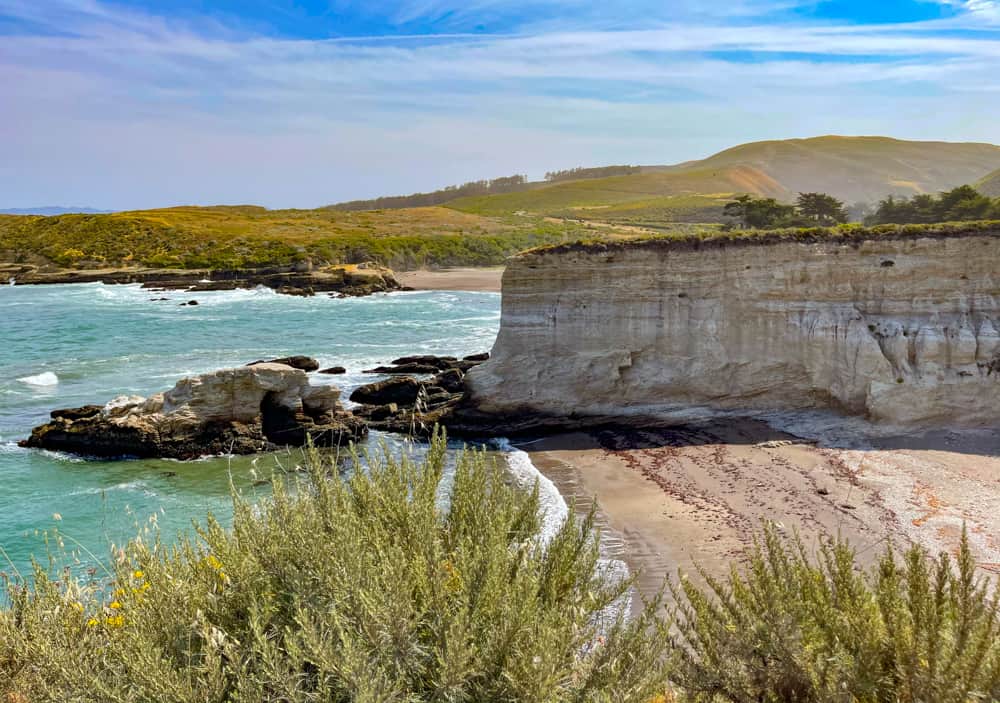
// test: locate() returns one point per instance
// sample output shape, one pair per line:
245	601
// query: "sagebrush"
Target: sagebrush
378	587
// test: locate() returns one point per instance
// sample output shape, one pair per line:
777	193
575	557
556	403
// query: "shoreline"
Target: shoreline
684	497
345	280
483	280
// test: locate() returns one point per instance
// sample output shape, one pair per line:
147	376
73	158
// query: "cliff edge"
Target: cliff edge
896	325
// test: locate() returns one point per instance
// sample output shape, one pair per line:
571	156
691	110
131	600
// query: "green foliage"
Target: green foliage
505	184
374	587
760	213
574	174
810	210
821	209
246	237
792	629
960	204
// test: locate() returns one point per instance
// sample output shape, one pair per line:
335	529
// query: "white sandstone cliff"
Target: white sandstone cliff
899	328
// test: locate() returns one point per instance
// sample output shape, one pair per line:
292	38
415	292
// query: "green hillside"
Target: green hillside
990	185
852	169
690	195
247	236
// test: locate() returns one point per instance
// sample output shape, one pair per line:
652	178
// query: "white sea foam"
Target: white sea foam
46	378
128	487
526	475
555	512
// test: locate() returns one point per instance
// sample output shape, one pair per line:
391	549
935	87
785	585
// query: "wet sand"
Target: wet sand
675	498
468	279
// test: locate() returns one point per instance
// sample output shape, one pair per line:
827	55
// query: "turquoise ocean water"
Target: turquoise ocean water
70	345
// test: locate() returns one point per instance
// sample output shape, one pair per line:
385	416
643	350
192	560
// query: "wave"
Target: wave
555	512
526	475
46	378
128	486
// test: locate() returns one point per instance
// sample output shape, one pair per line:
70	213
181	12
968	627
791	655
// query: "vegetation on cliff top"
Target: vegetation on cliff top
396	584
239	237
762	237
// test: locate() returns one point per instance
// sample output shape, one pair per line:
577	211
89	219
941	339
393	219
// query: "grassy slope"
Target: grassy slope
851	168
231	237
862	168
687	195
989	185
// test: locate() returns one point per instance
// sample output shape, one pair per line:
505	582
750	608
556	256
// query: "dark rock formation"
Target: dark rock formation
402	391
410	406
296	279
303	363
76	413
240	411
428	363
334	370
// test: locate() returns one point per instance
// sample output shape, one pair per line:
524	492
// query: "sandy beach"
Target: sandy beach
675	497
470	279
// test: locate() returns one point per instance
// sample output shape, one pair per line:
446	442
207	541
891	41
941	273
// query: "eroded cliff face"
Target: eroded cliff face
903	330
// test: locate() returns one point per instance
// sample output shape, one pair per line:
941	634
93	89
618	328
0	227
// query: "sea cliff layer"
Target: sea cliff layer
902	327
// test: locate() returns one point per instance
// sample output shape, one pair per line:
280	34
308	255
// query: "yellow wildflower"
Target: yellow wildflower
77	606
116	621
138	574
115	605
213	562
92	622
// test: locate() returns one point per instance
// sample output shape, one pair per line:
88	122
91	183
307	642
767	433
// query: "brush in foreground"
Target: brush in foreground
389	585
796	629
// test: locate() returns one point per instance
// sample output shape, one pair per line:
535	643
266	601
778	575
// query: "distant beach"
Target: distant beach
485	280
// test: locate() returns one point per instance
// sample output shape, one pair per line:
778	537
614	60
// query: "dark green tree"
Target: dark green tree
821	208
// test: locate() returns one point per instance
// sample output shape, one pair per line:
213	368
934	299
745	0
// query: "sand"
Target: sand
469	279
674	498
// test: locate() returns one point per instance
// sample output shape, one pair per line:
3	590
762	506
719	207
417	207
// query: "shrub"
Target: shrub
794	630
378	587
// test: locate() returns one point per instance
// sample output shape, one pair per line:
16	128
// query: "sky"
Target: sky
127	104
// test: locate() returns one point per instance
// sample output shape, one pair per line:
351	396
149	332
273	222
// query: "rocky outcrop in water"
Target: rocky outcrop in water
901	327
413	406
239	411
301	280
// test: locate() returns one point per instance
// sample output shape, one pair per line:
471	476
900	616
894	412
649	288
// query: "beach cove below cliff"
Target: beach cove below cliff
684	496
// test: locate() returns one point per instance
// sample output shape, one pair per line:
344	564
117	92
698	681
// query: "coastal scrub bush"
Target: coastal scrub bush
392	583
791	628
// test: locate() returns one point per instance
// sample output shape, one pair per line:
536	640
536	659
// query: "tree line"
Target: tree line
956	205
504	184
573	174
960	204
494	186
809	210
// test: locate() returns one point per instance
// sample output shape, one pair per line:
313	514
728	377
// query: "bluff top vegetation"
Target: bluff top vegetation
393	584
238	237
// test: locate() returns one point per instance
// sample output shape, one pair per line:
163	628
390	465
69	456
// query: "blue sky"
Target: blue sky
144	103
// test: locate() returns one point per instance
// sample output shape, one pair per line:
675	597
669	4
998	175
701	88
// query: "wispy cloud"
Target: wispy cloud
122	108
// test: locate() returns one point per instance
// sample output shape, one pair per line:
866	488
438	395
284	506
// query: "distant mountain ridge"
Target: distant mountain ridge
51	210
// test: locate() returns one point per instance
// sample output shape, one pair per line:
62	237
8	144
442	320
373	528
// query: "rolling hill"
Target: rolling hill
860	168
989	185
852	169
